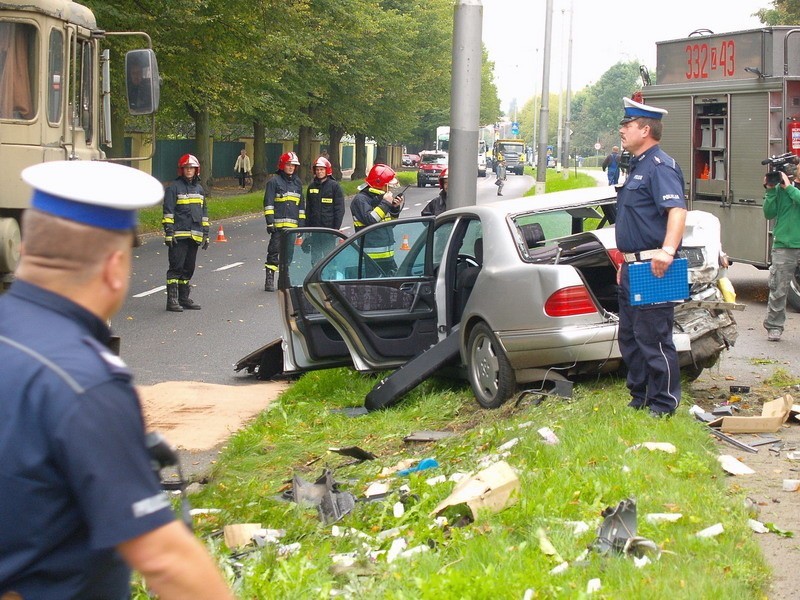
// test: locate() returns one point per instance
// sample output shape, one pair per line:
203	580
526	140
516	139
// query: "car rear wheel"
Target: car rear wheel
794	291
490	374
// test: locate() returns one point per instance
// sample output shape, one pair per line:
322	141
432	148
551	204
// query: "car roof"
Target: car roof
545	202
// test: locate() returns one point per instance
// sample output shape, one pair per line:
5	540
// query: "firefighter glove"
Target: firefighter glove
205	243
168	239
270	228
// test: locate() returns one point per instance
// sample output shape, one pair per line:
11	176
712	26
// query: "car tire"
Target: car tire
490	373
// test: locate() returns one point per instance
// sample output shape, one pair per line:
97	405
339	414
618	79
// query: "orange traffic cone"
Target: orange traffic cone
404	245
221	235
298	240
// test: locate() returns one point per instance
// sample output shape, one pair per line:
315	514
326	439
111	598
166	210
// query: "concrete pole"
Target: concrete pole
560	134
569	93
465	104
535	103
544	113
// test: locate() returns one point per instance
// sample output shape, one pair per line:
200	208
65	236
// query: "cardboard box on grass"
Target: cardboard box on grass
494	488
240	534
773	415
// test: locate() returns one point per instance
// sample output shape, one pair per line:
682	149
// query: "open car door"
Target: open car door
309	340
378	291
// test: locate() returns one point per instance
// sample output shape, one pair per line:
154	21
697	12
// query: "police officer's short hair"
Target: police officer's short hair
656	127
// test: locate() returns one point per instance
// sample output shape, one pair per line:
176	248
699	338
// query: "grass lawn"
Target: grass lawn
500	555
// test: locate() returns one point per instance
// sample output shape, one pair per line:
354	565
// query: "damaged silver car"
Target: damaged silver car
503	294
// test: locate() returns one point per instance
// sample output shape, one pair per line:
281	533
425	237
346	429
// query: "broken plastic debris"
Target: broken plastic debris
618	532
397	547
398	510
793	455
239	534
791	485
593	585
428	436
548	436
757	526
733	465
641	561
712	531
578	527
423	465
436	480
376	488
654	518
653	446
546	546
560	568
354	452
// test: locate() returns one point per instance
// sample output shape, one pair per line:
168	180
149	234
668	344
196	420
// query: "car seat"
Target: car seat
465	281
533	234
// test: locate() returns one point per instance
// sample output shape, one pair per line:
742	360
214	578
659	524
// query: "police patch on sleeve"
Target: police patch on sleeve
150	505
115	364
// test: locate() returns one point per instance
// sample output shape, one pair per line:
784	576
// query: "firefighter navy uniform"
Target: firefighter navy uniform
75	474
369	207
284	210
324	208
185	229
653	185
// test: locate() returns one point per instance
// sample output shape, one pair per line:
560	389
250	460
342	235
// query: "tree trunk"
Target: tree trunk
259	155
202	143
382	154
360	170
334	139
304	145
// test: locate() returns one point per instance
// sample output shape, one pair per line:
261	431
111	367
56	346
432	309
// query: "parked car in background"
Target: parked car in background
410	160
503	294
431	165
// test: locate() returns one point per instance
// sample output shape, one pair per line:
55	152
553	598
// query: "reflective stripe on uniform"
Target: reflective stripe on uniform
379	252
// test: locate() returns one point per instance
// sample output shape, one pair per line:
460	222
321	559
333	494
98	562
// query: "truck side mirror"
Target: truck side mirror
143	83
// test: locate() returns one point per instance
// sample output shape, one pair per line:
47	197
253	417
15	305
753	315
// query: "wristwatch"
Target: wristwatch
669	250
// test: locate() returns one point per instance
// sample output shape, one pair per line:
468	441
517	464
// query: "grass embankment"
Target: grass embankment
500	555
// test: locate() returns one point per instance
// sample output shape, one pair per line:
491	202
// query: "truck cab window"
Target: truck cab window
86	83
18	61
55	71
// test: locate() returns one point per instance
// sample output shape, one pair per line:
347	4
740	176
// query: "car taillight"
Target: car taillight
570	301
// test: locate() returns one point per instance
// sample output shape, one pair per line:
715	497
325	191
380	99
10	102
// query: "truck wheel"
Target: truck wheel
9	245
794	291
490	374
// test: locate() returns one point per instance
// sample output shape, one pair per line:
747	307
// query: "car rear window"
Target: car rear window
434	159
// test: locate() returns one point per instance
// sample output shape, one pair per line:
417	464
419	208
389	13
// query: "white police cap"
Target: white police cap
101	194
637	110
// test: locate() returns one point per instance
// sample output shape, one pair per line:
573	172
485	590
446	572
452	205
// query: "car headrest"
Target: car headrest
478	250
533	234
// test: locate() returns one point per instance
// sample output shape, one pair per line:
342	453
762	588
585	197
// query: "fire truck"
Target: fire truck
733	102
55	98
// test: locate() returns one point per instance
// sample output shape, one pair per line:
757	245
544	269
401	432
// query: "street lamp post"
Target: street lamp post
541	163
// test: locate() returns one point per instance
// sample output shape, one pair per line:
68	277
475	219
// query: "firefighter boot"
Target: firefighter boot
183	297
172	298
269	281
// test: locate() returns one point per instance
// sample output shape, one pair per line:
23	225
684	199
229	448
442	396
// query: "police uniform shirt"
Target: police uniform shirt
75	476
654	184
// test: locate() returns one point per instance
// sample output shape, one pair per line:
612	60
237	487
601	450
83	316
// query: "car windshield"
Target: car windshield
434	159
512	148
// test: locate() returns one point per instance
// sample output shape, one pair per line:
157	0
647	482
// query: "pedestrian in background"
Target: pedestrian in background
185	229
284	210
651	216
372	204
324	207
611	166
439	204
243	168
782	203
81	504
501	173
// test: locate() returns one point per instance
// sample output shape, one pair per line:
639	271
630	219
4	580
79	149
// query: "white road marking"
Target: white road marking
230	266
149	292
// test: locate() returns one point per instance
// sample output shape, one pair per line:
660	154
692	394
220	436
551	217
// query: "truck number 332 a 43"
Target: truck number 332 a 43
703	59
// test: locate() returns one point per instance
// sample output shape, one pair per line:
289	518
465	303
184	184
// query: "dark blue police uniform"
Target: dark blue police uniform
653	185
75	476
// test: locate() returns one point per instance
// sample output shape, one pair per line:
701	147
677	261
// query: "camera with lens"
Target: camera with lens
785	163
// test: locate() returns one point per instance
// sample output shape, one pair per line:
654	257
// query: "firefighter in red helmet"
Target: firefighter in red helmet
186	226
324	207
284	210
375	203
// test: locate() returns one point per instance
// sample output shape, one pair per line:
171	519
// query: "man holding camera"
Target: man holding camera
782	203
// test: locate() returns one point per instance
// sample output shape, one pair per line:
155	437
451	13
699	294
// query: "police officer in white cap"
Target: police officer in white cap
651	215
81	503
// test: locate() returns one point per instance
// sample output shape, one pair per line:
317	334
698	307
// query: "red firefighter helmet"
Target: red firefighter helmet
442	178
324	162
188	160
287	158
380	176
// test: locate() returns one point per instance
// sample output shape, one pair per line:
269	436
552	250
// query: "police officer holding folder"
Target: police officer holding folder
651	216
80	502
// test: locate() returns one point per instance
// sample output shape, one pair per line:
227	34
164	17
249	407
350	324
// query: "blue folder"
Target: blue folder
646	288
